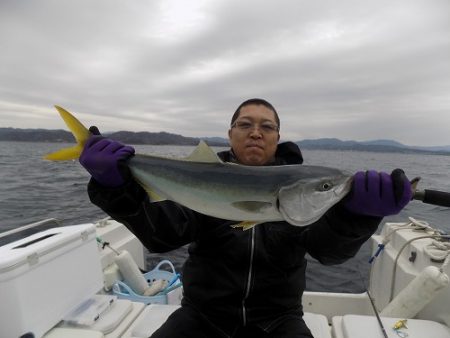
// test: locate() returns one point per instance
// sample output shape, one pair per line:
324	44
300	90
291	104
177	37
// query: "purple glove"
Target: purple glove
105	160
379	194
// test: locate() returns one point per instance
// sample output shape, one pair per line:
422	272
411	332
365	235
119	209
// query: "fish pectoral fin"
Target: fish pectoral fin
203	153
252	206
64	154
245	225
154	196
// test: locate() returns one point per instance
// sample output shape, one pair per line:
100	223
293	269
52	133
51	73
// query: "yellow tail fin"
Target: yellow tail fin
80	132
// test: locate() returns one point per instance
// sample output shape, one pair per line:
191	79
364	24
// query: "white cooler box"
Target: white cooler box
45	276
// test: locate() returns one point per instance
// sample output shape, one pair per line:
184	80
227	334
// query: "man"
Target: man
242	283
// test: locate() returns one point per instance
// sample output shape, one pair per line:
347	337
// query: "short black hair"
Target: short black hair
255	101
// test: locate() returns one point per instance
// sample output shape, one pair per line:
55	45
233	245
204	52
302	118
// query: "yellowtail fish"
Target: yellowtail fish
298	194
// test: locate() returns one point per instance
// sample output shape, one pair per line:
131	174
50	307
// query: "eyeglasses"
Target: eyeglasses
265	127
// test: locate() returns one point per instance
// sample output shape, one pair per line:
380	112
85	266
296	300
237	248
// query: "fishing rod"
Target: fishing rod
428	196
380	323
434	197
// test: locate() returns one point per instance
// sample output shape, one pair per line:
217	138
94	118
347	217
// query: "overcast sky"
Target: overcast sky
359	70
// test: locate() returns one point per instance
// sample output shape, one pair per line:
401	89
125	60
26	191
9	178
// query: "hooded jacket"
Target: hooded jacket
235	277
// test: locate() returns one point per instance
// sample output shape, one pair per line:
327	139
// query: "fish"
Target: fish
249	195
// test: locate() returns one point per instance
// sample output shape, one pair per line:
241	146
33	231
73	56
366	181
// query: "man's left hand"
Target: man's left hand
378	193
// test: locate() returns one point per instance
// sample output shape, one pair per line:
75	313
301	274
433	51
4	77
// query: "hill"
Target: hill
160	138
164	138
388	146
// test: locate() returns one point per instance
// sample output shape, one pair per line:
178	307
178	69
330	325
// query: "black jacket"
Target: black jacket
234	277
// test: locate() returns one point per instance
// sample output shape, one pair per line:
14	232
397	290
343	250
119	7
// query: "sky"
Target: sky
354	70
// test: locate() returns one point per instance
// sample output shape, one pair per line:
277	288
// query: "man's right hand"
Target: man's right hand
105	159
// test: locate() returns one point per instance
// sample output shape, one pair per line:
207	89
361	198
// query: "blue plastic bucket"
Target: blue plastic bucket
123	291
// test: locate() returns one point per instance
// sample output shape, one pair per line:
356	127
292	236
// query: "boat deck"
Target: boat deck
50	256
142	321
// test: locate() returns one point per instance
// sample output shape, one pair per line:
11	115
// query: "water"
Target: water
33	189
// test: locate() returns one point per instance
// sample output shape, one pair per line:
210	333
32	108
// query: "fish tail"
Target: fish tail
80	132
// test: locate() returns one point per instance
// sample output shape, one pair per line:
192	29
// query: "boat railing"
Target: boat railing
31	226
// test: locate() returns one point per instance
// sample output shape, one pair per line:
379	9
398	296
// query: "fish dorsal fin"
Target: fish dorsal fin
203	153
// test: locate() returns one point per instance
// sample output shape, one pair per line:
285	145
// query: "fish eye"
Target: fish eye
325	186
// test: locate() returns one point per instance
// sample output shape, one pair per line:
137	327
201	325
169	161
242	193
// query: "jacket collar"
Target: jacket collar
287	153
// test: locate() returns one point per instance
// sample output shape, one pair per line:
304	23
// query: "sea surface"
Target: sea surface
33	189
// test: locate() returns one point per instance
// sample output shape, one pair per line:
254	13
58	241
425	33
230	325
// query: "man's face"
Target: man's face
254	135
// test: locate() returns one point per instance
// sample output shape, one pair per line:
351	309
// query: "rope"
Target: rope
439	252
103	222
413	224
435	236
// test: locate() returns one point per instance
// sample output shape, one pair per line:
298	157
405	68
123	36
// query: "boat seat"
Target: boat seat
60	332
154	315
355	326
318	324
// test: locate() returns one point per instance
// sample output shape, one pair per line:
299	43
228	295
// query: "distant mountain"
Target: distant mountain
35	135
388	143
326	143
216	140
435	148
374	145
163	138
400	145
392	143
160	138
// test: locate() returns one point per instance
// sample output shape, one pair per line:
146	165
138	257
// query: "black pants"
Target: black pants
187	323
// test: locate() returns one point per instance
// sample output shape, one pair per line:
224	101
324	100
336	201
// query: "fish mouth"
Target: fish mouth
344	188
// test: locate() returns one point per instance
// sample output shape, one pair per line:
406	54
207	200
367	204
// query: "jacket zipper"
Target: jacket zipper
249	277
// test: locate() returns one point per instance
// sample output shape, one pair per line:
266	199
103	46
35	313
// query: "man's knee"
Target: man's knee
292	327
184	322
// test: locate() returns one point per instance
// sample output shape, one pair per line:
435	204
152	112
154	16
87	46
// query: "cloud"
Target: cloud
352	70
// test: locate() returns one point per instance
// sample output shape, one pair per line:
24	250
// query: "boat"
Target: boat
65	281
